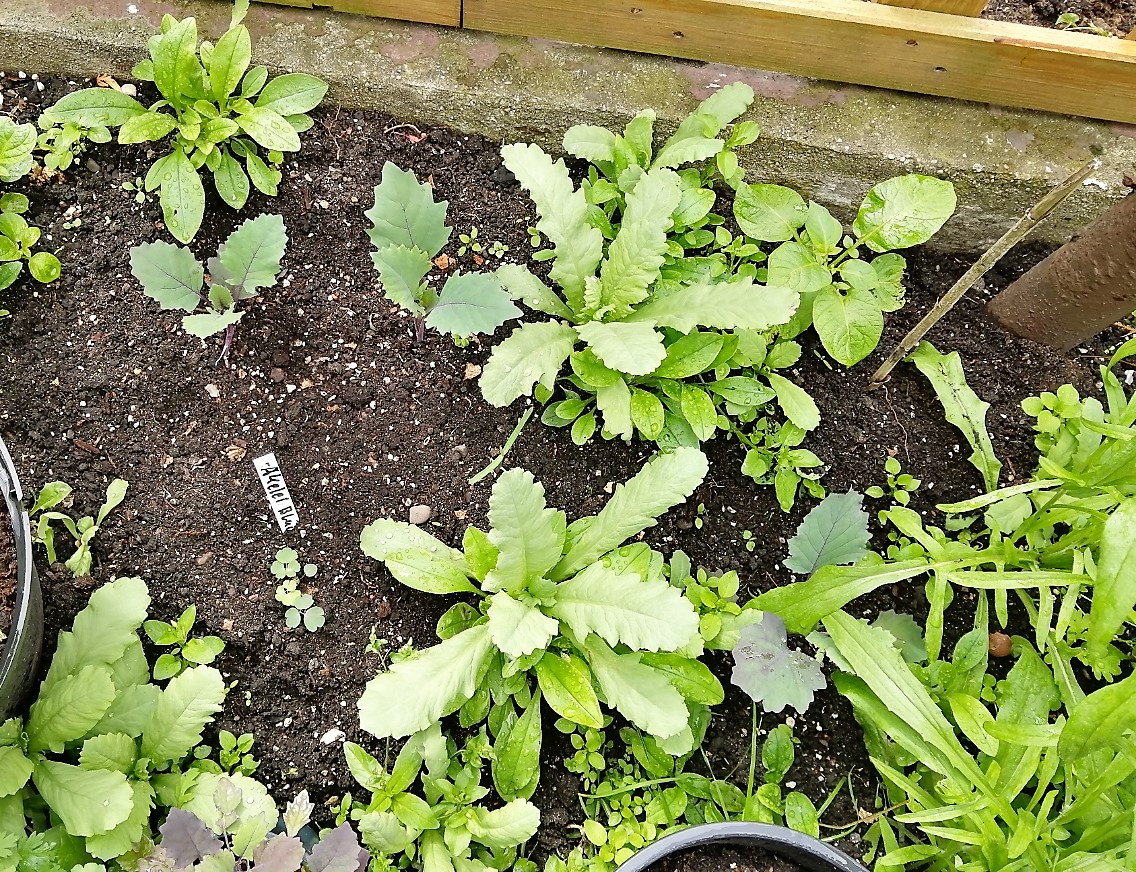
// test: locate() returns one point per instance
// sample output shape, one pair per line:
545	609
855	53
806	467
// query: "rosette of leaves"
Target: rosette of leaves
655	357
17	237
215	114
186	651
561	607
408	230
246	262
447	826
215	838
78	774
62	143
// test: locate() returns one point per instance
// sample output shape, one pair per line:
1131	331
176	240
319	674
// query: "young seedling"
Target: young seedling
187	651
83	530
301	606
63	143
409	230
899	486
246	262
234	755
469	243
17	239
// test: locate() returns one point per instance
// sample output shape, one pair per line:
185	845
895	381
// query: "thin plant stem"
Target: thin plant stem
499	459
752	753
983	265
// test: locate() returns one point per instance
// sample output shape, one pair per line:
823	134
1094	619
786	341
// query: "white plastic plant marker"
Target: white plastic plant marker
272	478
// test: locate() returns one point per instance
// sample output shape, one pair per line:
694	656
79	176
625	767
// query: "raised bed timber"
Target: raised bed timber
938	47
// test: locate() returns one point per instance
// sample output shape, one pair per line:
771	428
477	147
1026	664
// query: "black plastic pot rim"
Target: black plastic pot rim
20	653
808	853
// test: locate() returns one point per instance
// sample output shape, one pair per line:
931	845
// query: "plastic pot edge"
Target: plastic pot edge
809	853
21	650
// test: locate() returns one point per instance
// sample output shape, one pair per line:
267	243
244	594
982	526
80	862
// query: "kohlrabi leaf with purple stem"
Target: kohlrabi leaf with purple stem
338	851
832	534
772	673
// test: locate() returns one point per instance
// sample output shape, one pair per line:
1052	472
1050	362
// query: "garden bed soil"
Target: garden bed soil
725	859
9	575
98	383
1117	17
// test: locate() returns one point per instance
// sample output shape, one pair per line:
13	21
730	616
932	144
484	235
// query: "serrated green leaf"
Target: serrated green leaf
15	770
428	686
772	673
529	537
634	348
113	751
961	405
797	405
641	694
129	833
471	303
904	211
16	144
252	254
101	632
793	266
532	354
406	215
849	324
563	220
87	802
834	532
591	143
169	274
518	629
692	678
507	827
130	712
622	608
614	402
636	254
522	285
733	305
186	705
664	482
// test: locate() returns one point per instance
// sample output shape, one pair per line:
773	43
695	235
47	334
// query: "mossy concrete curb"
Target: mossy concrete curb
830	141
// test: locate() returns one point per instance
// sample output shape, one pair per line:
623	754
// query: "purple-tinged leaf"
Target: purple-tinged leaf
833	533
772	673
339	851
279	854
186	839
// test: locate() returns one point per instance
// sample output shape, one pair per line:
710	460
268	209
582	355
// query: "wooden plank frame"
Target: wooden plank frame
445	12
850	41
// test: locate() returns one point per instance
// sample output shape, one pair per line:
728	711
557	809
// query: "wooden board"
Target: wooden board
970	8
446	12
849	41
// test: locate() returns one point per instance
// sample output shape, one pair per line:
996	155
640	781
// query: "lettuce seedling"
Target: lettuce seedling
560	606
215	113
408	230
246	262
82	530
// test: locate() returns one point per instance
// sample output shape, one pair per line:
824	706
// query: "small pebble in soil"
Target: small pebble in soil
420	514
277	375
1000	645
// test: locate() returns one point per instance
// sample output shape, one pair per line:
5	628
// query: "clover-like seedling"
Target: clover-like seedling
246	262
301	606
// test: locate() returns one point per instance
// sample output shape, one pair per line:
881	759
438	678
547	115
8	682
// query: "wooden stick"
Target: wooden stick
996	252
971	8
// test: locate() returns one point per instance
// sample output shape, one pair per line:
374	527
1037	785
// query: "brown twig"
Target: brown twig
996	252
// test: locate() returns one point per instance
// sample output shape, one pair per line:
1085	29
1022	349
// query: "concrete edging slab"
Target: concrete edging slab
830	141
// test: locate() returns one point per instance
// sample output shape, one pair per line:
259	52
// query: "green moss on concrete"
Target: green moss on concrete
830	141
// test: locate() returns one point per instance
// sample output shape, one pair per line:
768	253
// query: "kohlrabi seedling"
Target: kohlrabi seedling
246	262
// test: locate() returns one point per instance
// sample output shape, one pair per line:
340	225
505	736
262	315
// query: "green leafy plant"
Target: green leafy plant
215	114
214	837
17	237
234	755
301	606
246	262
408	231
899	485
186	651
82	531
469	243
447	826
679	346
564	614
63	143
80	774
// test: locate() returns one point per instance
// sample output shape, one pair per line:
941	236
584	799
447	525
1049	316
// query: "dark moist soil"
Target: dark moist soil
725	859
365	423
1116	17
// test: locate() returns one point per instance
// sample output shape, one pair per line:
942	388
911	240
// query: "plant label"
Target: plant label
271	477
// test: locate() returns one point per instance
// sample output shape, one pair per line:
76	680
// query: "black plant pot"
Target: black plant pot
20	652
808	853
